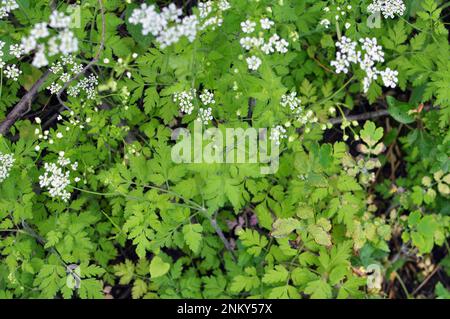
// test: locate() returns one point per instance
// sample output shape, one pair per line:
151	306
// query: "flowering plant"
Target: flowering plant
347	102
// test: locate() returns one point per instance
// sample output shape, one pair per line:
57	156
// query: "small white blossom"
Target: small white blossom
248	26
205	115
185	100
16	50
207	97
325	22
266	23
277	134
12	72
6	163
389	8
389	77
253	63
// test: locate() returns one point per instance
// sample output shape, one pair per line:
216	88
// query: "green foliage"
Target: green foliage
347	194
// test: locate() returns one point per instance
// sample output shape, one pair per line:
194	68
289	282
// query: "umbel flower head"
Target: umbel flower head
169	25
6	6
367	58
47	45
389	8
56	177
6	163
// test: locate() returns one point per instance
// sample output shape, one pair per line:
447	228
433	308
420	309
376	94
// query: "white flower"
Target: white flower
253	63
224	5
277	134
341	63
39	31
40	59
168	26
16	50
68	42
248	26
6	6
389	8
56	181
184	100
6	163
59	20
266	23
370	54
205	8
325	22
207	97
205	115
389	77
54	88
12	72
292	101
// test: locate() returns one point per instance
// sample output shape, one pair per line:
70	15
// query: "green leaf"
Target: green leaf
277	275
193	236
285	226
318	289
400	110
371	134
158	267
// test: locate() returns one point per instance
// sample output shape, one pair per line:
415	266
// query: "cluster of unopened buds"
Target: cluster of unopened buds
168	26
255	44
370	54
56	177
186	100
49	39
6	163
335	15
294	103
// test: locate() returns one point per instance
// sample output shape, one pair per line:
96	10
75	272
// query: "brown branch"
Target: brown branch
24	104
219	232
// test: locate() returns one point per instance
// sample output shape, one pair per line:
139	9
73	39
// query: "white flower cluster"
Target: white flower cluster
185	100
6	163
2	64
389	8
205	115
68	68
6	6
11	72
169	25
273	44
207	97
370	54
56	177
278	133
64	42
292	101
